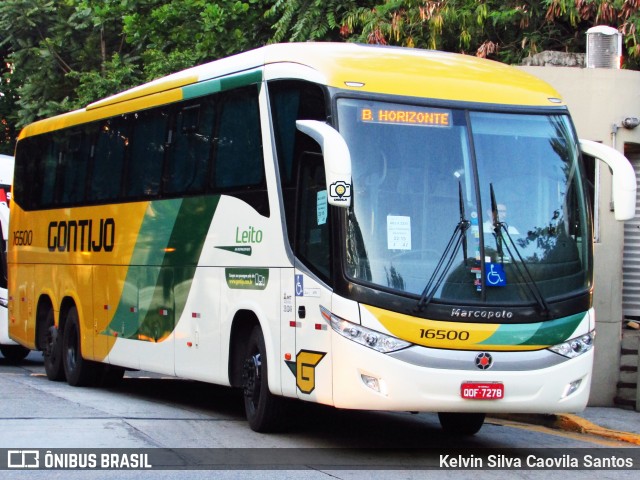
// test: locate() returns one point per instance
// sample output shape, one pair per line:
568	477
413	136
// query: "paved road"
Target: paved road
147	411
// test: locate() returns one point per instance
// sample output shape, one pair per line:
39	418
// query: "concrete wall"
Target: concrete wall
599	100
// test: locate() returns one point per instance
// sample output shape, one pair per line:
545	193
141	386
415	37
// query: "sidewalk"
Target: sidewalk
615	423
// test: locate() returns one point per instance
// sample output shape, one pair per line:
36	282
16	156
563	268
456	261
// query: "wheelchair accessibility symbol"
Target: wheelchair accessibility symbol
299	286
494	275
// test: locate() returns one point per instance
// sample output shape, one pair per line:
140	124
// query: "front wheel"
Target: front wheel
79	372
263	409
461	423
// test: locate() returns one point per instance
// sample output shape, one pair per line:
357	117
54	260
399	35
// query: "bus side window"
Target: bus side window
108	164
238	160
48	167
73	172
144	163
26	173
190	150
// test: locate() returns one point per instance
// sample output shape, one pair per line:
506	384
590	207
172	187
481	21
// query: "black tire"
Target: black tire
464	424
52	349
14	353
262	408
79	372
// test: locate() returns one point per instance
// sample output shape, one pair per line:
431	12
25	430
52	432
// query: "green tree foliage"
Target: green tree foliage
304	20
174	35
63	54
52	46
8	105
506	30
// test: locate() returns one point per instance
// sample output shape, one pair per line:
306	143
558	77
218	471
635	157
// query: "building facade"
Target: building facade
605	106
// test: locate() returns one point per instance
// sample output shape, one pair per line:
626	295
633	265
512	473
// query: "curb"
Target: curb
571	423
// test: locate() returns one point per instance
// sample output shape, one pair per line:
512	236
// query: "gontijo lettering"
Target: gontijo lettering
82	235
407	116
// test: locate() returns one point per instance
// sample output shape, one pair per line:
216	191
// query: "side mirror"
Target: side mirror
624	177
337	160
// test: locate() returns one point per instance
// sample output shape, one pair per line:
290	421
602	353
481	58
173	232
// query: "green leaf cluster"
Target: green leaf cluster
60	55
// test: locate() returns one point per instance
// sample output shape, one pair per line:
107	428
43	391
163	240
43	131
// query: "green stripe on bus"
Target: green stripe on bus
221	84
169	243
548	333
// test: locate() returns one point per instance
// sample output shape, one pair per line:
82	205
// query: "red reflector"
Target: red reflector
482	390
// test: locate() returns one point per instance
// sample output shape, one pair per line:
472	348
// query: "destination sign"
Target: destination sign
406	115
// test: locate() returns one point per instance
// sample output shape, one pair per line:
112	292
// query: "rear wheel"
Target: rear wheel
14	353
263	409
52	349
79	372
461	423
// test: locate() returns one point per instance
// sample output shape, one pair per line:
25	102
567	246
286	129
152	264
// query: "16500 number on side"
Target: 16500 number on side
22	237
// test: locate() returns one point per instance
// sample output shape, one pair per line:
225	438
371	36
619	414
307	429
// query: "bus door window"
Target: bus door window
313	244
290	101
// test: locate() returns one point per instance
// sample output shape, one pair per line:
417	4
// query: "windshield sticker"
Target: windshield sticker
494	275
406	115
321	207
398	232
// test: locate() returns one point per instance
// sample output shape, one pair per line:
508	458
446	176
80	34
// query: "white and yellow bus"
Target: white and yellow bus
363	227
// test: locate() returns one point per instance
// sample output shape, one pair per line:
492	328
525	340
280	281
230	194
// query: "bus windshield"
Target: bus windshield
465	206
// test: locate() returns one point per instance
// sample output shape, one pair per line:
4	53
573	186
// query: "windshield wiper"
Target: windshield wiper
458	238
521	267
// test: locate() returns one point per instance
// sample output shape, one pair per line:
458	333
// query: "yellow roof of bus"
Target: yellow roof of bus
364	68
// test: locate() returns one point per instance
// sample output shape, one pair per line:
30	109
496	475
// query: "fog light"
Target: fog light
371	382
571	388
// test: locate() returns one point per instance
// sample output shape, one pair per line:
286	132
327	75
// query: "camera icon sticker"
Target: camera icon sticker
340	191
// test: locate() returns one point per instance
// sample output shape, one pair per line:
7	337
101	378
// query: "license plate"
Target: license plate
482	391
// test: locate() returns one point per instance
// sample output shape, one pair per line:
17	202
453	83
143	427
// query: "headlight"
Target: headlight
364	336
576	346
